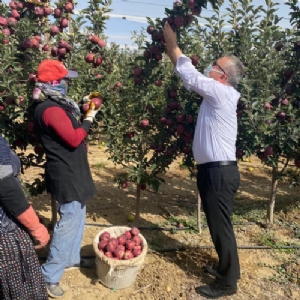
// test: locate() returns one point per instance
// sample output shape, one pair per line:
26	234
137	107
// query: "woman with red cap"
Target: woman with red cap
67	174
20	271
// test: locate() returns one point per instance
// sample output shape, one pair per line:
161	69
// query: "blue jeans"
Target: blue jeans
66	241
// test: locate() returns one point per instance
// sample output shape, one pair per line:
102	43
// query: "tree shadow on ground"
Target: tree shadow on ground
178	197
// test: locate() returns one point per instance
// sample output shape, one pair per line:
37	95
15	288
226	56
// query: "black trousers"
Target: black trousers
217	187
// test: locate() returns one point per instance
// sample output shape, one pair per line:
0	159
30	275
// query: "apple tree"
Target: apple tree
148	125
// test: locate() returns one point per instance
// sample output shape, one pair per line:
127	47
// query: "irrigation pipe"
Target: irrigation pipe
166	228
200	247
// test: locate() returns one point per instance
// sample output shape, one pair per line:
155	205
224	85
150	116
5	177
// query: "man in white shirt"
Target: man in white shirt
214	150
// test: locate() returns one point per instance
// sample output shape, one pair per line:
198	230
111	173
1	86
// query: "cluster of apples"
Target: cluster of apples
124	247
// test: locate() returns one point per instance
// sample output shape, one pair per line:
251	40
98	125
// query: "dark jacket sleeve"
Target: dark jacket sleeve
57	119
12	197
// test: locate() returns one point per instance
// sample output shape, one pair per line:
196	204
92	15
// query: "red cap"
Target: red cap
51	69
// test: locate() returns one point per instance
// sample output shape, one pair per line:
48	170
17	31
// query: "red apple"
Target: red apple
137	71
130	244
119	253
108	254
105	236
54	30
128	234
2	106
179	21
54	51
47	10
39	11
196	11
69	7
98	61
154	49
124	185
14	13
134	231
150	29
57	13
169	123
102	244
128	255
158	57
3	21
89	58
268	106
122	239
195	60
191	3
64	23
98	102
143	186
46	47
180	129
12	21
6	32
136	252
94	39
268	151
30	126
281	115
138	80
173	94
101	43
285	102
145	123
62	51
12	4
180	118
137	240
158	83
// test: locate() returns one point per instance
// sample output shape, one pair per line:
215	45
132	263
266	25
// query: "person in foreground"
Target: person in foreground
20	271
214	151
67	174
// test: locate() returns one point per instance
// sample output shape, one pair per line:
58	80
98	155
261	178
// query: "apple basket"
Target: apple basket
118	274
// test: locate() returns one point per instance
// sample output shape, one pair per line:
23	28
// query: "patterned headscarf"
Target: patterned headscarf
56	91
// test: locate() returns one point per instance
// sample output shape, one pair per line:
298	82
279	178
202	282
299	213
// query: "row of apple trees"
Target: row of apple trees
268	110
147	116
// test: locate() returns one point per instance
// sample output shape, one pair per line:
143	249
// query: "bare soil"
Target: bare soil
265	274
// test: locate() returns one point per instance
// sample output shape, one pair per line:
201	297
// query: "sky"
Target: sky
130	15
119	29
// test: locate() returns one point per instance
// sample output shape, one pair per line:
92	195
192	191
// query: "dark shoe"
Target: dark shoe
54	290
215	290
84	264
213	272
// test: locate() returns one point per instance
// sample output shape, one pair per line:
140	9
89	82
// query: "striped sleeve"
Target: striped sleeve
6	168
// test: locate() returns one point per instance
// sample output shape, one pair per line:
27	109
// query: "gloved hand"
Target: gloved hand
90	97
31	221
91	113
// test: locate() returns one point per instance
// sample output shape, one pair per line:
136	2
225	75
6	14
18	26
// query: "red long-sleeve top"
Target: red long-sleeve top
57	119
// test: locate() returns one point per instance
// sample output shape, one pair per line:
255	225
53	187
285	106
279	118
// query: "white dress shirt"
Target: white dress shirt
216	128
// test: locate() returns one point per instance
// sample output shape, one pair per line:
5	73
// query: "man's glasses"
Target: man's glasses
215	63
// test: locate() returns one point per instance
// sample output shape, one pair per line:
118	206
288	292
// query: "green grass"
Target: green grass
100	165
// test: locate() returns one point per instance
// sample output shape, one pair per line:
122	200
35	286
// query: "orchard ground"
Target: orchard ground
265	274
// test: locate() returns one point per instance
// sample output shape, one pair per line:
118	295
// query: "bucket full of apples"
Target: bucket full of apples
120	252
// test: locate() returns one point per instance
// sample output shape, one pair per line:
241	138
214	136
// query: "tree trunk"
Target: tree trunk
199	214
137	204
54	212
271	206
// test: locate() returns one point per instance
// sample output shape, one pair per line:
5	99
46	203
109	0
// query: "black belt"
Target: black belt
215	164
